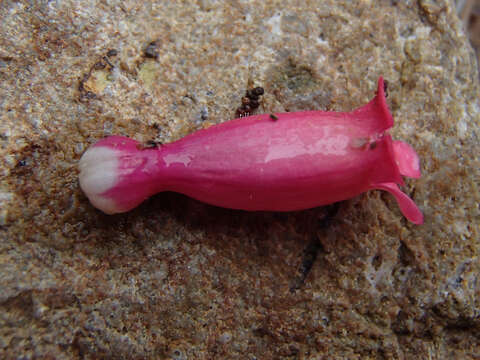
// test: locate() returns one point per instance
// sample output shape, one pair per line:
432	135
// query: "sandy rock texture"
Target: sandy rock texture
177	279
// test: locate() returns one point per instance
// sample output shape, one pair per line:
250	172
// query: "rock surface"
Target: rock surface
179	279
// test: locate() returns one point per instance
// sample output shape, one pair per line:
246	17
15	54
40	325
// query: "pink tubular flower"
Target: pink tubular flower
281	162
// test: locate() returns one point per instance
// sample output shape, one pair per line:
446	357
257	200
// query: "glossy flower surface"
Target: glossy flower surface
291	161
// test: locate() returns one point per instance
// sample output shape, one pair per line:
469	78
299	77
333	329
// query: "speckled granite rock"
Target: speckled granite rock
179	279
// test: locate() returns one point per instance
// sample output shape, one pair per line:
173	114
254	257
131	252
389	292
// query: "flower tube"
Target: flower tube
284	162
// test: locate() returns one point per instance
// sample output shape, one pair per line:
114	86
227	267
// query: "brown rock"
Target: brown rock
179	279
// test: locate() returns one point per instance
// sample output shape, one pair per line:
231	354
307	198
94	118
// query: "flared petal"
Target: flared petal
375	116
407	206
407	159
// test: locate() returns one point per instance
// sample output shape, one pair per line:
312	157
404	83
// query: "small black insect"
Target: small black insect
112	53
273	117
150	144
151	51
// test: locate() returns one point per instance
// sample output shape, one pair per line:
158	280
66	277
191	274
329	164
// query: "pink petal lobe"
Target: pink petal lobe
406	159
375	116
407	206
